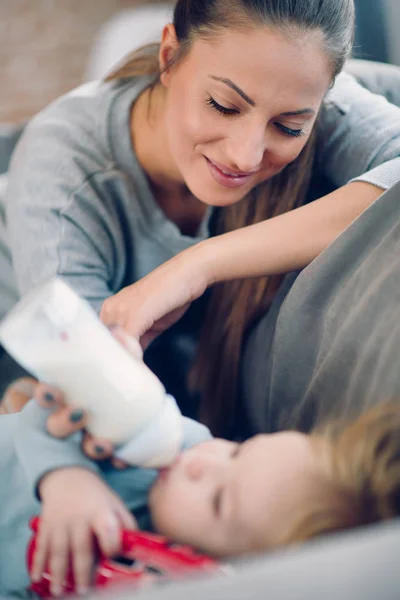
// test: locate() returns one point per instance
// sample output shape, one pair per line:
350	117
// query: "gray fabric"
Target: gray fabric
9	369
22	470
330	344
355	136
379	78
8	293
9	136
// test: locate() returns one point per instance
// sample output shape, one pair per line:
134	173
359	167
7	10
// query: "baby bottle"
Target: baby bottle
57	336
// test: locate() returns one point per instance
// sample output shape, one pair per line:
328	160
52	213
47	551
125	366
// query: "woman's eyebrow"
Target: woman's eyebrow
234	87
302	111
242	94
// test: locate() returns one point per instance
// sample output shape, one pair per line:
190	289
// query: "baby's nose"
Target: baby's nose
199	467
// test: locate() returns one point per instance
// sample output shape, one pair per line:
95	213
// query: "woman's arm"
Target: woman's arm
285	243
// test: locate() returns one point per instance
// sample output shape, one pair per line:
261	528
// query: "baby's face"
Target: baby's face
226	498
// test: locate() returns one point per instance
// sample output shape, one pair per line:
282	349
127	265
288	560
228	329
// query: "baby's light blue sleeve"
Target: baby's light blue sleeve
359	136
39	453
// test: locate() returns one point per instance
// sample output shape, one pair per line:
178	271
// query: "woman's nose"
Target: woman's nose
246	151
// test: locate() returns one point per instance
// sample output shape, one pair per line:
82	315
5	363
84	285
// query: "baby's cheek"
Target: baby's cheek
156	506
162	504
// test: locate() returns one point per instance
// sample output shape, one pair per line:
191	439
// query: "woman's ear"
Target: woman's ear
168	48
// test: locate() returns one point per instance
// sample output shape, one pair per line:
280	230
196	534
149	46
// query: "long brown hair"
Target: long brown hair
236	305
361	461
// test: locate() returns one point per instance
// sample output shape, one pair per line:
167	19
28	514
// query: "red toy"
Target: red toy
146	558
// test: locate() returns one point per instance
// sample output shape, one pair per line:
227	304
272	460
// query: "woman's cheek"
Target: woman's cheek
280	159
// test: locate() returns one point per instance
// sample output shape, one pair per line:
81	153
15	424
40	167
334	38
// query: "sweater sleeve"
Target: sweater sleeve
39	453
62	206
360	136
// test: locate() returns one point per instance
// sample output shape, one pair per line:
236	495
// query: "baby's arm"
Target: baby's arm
77	505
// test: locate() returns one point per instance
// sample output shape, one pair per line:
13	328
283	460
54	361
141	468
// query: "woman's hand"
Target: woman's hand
79	510
150	306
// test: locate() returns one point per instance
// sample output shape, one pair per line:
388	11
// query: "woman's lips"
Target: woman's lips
227	178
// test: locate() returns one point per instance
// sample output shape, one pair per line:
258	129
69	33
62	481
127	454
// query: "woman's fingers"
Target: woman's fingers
48	396
97	448
66	421
132	344
118	463
18	393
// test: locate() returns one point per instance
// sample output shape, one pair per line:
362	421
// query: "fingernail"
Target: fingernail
76	416
99	449
48	397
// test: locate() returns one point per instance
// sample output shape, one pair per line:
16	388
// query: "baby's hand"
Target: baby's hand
78	510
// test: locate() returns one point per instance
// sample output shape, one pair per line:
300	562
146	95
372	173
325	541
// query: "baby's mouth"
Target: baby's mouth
163	473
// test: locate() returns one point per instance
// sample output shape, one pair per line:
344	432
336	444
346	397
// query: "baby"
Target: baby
222	497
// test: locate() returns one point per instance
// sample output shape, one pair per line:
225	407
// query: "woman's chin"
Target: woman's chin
210	195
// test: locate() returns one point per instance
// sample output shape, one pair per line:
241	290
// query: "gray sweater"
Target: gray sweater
77	203
21	470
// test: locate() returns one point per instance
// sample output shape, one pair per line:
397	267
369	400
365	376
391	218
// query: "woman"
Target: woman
115	179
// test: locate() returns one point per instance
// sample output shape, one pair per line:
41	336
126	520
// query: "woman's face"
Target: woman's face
239	108
226	498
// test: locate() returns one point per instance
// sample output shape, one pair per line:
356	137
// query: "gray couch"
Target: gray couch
362	566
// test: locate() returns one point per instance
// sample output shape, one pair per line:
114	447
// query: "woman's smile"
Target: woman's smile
228	177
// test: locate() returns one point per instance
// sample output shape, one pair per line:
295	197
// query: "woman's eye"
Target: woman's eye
288	131
223	110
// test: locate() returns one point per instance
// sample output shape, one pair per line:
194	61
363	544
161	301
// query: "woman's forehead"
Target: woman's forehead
254	58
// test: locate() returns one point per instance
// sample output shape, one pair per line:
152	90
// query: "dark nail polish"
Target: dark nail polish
49	397
76	416
99	449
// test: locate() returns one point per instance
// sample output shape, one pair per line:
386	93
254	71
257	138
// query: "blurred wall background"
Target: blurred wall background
45	45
